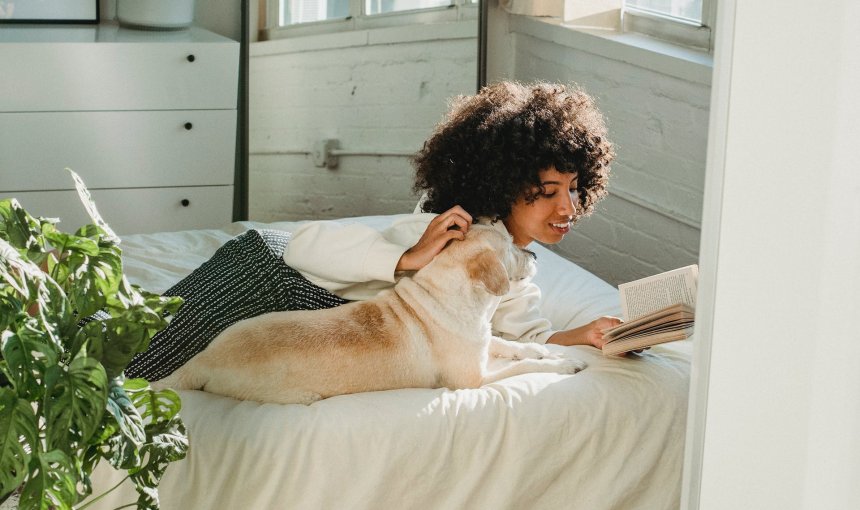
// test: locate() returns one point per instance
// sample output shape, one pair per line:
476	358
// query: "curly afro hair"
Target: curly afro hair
489	151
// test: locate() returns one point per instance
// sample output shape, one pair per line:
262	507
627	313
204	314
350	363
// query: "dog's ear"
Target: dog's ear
486	268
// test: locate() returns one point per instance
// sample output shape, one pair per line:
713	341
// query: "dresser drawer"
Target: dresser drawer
120	70
117	149
135	211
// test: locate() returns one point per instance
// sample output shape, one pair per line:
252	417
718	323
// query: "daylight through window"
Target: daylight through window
689	10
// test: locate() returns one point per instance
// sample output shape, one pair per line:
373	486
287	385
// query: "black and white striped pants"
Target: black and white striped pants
245	278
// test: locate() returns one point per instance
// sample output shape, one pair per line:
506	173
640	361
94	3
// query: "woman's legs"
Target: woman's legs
245	278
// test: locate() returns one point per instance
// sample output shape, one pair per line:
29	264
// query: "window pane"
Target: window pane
303	11
383	6
686	9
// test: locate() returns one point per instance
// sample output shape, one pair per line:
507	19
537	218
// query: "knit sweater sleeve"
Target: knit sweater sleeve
518	316
338	256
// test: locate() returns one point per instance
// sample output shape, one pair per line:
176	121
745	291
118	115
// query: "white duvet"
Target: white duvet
609	437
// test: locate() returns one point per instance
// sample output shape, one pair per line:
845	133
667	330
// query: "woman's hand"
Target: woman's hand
593	331
451	224
588	334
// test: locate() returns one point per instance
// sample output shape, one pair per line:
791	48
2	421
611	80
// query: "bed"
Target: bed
609	437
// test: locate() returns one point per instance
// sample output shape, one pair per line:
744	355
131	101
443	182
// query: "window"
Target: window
686	22
301	17
689	10
382	6
306	11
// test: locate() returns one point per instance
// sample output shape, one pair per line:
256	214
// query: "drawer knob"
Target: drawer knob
185	202
190	58
188	126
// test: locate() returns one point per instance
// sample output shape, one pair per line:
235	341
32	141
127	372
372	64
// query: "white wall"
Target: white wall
378	90
781	387
657	110
388	96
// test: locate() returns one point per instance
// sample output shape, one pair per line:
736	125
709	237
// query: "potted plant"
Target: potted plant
65	404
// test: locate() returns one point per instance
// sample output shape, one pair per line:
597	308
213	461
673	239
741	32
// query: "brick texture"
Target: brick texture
389	97
384	97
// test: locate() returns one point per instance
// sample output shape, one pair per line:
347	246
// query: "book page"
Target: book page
650	294
664	319
633	343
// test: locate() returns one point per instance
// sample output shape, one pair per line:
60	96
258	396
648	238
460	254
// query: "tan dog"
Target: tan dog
430	330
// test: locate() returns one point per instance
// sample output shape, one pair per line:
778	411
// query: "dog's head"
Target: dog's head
490	259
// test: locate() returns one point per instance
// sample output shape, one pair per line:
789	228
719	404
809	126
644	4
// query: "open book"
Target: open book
656	309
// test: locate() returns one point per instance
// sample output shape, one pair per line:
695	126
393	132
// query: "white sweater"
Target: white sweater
356	262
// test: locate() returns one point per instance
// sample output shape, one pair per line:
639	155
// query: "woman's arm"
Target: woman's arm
588	334
341	254
518	317
338	255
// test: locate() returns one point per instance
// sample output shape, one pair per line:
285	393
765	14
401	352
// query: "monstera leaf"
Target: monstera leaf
64	401
19	427
75	399
52	482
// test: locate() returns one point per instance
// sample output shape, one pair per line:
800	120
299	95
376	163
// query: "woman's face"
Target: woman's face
549	217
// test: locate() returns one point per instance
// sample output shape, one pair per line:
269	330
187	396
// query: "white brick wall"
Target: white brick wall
658	122
371	97
389	96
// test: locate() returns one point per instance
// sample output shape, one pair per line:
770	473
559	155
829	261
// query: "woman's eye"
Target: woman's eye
548	195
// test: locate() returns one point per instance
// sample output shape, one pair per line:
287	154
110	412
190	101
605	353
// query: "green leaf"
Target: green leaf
155	406
115	341
75	401
168	443
124	340
90	206
52	483
73	243
28	354
26	285
166	437
22	231
91	272
124	445
22	276
18	439
61	385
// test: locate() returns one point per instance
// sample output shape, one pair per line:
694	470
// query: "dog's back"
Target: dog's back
303	356
429	331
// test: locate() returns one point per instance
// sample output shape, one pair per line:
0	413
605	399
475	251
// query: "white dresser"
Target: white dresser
147	118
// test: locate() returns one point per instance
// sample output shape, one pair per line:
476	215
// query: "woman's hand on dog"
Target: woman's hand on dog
450	225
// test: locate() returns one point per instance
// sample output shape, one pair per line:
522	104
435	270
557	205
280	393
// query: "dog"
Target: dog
431	330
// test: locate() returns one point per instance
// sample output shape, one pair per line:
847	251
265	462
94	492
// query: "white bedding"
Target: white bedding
610	437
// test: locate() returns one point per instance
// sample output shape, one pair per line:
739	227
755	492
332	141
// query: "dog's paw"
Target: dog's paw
571	366
536	351
554	354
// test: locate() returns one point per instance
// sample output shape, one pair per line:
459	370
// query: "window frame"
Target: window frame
697	35
358	20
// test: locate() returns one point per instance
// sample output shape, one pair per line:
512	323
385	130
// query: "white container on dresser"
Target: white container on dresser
147	118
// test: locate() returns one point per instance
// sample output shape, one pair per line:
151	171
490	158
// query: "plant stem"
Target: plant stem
59	254
105	493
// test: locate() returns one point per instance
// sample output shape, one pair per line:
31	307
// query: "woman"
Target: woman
532	159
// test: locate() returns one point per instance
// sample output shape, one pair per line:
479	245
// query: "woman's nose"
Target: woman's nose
567	205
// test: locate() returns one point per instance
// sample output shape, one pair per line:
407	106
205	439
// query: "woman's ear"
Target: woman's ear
487	269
